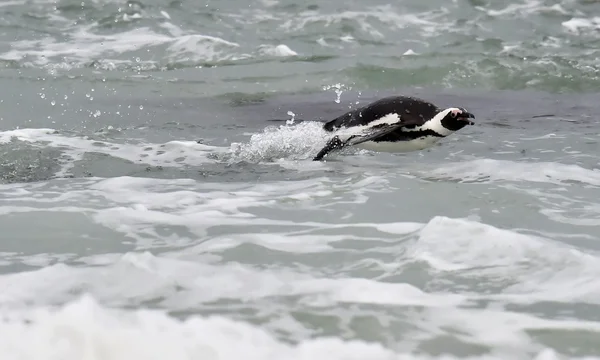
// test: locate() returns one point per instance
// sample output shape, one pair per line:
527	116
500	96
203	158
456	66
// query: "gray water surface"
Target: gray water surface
158	201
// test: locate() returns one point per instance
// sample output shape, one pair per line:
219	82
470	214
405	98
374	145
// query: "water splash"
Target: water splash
338	89
292	120
296	142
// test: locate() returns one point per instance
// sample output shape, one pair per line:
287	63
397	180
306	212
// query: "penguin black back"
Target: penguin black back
412	111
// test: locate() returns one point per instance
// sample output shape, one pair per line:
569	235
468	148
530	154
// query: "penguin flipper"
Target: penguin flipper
336	143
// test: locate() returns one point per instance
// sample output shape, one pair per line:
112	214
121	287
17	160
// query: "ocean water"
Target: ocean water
158	198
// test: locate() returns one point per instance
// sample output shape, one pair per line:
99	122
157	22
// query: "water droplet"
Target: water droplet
52	102
137	59
87	95
141	107
66	97
43	96
291	121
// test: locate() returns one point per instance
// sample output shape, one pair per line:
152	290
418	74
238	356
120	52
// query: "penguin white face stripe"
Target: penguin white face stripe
435	124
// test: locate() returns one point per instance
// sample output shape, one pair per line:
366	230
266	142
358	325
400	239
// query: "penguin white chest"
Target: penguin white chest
400	146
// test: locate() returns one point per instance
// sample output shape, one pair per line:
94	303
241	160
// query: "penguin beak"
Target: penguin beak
465	116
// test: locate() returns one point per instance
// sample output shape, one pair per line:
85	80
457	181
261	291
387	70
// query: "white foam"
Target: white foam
144	277
201	48
590	216
579	25
280	50
504	331
173	153
137	206
11	3
198	207
142	208
525	8
85	45
88	42
367	21
84	329
486	170
301	141
516	268
530	268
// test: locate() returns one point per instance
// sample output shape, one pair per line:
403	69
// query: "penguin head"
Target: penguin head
456	118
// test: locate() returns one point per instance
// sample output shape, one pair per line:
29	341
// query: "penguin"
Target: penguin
394	124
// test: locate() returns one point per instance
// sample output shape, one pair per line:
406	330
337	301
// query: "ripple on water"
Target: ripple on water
120	247
284	250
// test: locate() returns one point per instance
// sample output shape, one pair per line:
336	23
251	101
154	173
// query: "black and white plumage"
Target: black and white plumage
394	124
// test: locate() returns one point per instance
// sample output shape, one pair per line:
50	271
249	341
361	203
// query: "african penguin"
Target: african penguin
394	124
